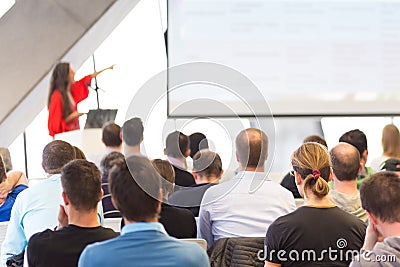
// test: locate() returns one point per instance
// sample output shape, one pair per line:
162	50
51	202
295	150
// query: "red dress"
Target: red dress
56	123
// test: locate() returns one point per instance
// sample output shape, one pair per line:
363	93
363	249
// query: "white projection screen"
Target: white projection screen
306	57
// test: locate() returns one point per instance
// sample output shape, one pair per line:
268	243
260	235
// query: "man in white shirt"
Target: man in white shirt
246	205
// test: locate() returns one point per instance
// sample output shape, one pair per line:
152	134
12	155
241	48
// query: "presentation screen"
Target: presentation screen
305	57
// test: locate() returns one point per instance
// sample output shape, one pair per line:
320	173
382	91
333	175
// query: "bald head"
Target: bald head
345	160
252	148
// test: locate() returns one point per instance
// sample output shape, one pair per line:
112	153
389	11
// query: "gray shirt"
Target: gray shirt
348	203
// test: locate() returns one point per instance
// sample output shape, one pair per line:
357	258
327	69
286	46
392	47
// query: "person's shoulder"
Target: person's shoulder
189	254
42	239
107	232
18	189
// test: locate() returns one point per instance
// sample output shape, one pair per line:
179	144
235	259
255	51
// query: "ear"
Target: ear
194	173
361	168
120	135
365	155
297	178
165	151
114	203
101	194
141	139
187	153
330	175
372	219
221	173
65	198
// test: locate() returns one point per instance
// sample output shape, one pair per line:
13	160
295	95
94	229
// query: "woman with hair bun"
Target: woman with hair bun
305	236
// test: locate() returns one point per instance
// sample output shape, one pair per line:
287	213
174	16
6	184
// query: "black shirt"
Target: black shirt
190	197
177	222
309	230
182	177
289	183
63	247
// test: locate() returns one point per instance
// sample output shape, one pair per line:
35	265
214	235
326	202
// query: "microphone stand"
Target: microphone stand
96	87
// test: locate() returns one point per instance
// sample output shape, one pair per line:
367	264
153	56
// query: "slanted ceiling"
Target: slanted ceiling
34	35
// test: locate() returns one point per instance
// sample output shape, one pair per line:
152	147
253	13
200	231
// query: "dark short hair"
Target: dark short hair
165	169
109	160
2	170
132	131
135	189
316	139
207	163
356	138
391	164
345	160
111	134
252	147
56	154
380	196
177	144
81	182
198	141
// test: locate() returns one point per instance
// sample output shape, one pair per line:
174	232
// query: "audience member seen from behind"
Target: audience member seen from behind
197	141
288	181
105	166
36	208
78	224
143	241
390	146
248	203
380	198
177	150
358	139
346	166
207	170
177	222
11	185
111	138
79	153
132	136
319	224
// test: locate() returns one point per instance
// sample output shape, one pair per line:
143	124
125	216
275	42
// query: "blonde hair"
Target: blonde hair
391	141
165	169
311	161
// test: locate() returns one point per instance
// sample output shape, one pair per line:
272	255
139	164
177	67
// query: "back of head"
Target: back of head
198	141
356	138
380	196
345	161
55	155
311	162
252	147
177	144
165	169
2	170
5	153
132	131
316	139
111	134
392	164
109	161
135	189
81	182
391	141
207	164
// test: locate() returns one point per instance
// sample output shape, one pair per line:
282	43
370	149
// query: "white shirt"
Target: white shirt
244	206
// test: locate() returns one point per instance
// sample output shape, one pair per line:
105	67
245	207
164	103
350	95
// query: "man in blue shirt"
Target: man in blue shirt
12	184
135	191
37	207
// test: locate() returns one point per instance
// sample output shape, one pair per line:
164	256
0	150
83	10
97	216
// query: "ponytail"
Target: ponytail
318	185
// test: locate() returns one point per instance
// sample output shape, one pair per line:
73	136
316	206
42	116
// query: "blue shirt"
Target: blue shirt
144	244
5	209
35	210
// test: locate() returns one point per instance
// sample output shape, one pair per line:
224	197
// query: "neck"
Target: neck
207	180
254	169
346	187
83	218
130	150
390	229
317	202
114	148
155	219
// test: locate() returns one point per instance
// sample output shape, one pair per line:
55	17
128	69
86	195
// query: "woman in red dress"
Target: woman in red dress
64	95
